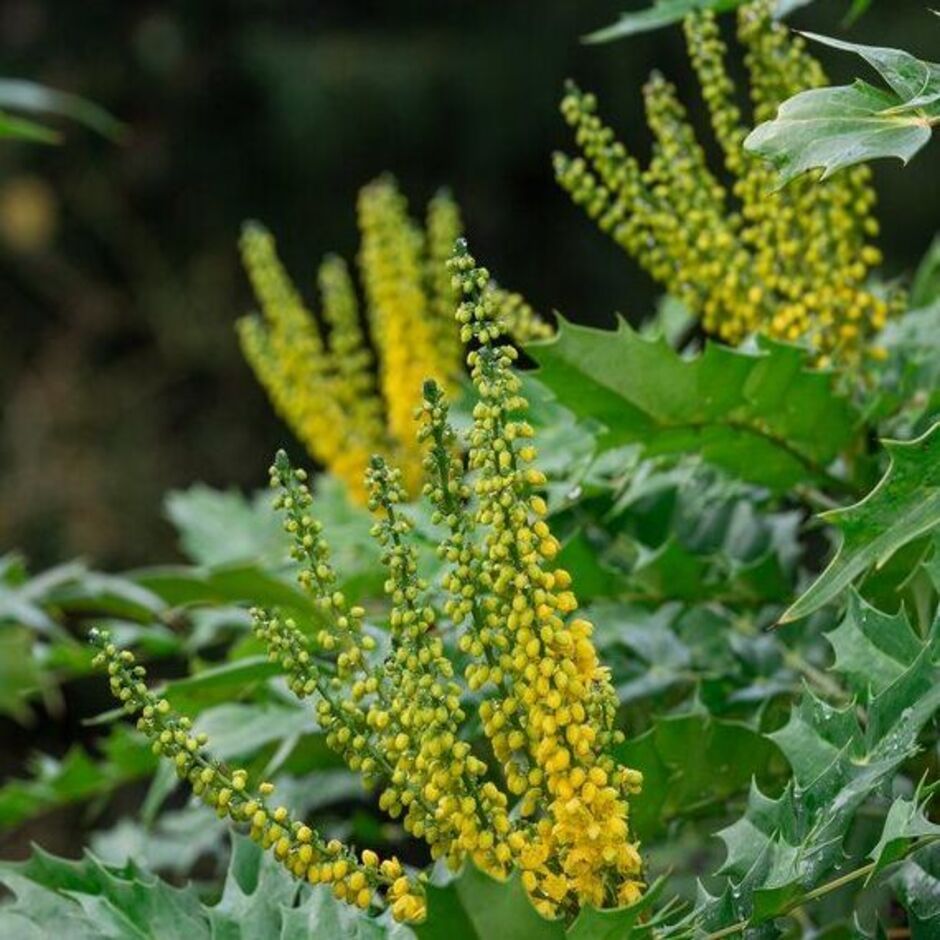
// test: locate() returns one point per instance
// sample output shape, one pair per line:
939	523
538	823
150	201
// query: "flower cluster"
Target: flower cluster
539	790
298	847
791	264
347	394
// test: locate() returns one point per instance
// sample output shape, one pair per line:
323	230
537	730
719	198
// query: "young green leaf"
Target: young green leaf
835	127
902	507
765	417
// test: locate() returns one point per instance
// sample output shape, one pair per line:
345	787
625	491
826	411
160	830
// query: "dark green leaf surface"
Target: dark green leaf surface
764	416
474	906
904	506
691	763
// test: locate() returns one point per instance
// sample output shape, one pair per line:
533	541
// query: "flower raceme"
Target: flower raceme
540	792
346	392
791	264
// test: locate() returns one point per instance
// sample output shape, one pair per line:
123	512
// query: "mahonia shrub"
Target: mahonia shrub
346	391
791	264
545	795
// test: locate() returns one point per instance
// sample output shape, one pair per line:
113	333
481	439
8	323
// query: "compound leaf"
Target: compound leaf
764	416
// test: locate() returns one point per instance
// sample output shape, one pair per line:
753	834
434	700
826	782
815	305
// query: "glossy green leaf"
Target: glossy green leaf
904	506
763	416
835	127
917	886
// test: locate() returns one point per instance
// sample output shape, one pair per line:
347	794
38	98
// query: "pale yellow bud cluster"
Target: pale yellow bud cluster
791	264
347	395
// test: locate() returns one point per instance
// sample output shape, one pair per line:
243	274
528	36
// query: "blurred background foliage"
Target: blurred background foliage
120	375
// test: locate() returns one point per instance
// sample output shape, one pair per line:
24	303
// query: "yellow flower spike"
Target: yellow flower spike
555	680
444	226
296	846
344	394
390	260
288	354
356	385
791	264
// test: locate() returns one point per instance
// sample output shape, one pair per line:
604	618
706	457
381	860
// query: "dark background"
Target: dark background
119	372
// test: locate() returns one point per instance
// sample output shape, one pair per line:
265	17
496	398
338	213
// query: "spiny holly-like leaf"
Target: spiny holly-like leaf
763	416
905	823
666	12
902	507
872	649
85	899
832	128
784	847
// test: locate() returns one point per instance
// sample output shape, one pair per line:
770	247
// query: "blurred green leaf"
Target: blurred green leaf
33	98
77	776
18	128
666	12
223	527
926	286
